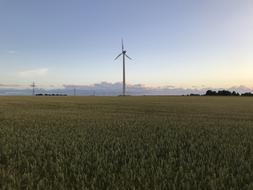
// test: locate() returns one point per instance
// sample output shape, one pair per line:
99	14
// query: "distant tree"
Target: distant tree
224	93
247	94
221	93
211	93
235	93
194	94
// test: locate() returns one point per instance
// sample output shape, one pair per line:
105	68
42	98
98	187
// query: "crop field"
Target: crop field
126	143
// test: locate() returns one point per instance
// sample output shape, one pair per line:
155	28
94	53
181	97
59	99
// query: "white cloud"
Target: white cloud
106	88
34	73
12	52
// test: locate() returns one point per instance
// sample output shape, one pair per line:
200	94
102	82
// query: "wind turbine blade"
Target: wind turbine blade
122	42
128	57
118	56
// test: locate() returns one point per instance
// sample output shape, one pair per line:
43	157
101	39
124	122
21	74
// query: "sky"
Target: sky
181	43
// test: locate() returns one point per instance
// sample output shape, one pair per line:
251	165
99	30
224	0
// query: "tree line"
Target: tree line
51	95
226	93
222	93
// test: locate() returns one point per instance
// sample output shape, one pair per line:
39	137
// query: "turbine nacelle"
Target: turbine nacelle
123	52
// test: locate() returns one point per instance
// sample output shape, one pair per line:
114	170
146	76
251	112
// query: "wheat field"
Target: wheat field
126	143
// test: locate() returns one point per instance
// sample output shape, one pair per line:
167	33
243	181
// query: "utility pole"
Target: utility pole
74	91
33	86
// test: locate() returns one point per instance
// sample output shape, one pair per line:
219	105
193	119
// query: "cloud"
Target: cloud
34	73
106	88
240	89
10	85
113	89
12	52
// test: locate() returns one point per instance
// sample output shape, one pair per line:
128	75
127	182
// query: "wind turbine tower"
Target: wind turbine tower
124	55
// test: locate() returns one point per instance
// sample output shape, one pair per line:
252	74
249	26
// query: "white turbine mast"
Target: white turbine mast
124	55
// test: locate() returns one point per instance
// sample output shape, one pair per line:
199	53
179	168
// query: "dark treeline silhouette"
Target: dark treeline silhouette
195	95
221	93
226	93
247	94
51	94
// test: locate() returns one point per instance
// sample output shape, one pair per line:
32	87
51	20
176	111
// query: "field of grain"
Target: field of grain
126	143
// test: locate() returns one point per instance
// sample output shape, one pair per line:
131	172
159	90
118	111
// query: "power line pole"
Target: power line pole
74	91
33	86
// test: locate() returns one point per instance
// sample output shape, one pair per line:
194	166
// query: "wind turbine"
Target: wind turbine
124	55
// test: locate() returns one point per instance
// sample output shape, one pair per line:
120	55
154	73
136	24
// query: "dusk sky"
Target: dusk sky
182	43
